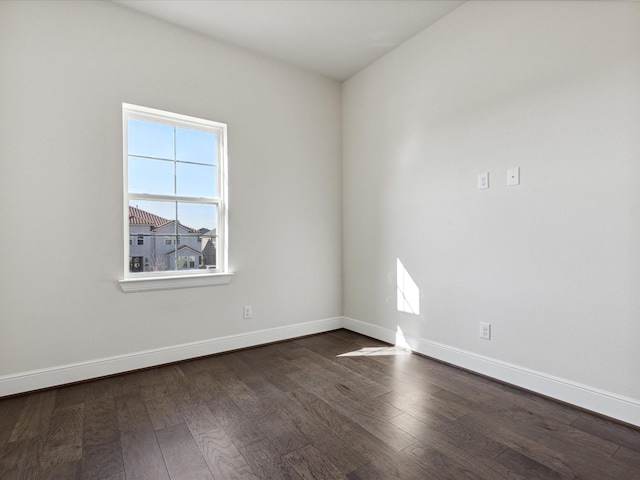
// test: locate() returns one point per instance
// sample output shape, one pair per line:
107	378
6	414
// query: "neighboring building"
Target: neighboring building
208	247
158	244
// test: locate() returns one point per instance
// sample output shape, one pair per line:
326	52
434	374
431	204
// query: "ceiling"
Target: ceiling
336	38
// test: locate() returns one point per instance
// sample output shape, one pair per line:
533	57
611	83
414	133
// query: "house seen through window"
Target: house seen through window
174	189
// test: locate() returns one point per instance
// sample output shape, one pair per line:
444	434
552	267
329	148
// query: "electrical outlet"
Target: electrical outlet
483	180
247	312
485	330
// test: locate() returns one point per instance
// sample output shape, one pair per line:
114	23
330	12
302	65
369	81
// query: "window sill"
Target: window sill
145	284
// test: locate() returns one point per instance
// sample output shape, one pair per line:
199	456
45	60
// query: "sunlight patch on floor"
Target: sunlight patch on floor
376	351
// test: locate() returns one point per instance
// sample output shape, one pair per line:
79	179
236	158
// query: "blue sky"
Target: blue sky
191	153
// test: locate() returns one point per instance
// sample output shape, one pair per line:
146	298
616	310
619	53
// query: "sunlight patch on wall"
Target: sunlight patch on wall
401	341
407	291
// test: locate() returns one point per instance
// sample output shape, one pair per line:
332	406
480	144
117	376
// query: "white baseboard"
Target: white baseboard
605	403
64	374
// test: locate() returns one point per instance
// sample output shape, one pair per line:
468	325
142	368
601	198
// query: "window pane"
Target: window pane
204	218
150	139
159	243
153	222
197	216
196	180
195	146
151	176
152	212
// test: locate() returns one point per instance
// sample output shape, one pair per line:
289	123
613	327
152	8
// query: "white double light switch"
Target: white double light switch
513	176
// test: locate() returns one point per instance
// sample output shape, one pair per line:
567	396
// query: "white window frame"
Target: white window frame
143	281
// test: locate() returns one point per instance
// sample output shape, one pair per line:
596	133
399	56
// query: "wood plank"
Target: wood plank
102	460
102	451
315	380
241	394
396	380
35	416
181	454
341	375
629	458
10	409
574	459
267	462
64	441
115	476
558	435
527	447
283	437
160	406
141	453
438	430
238	425
197	415
222	456
61	471
613	432
455	464
20	460
312	465
429	404
360	439
200	386
337	450
526	467
101	422
72	395
267	363
174	380
270	394
463	451
371	471
368	414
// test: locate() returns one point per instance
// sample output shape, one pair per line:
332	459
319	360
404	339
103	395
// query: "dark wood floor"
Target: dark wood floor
331	406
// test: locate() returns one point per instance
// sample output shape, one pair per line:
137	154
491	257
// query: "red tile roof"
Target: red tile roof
142	217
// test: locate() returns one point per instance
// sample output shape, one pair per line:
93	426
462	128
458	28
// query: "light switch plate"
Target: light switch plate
513	176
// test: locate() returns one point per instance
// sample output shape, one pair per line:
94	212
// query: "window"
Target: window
175	195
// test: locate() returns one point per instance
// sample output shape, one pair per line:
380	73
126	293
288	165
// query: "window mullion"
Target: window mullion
175	192
172	198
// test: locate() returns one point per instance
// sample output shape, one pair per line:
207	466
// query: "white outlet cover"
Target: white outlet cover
513	176
483	180
485	330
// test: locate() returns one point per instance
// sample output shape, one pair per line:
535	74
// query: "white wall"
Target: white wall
66	69
553	264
